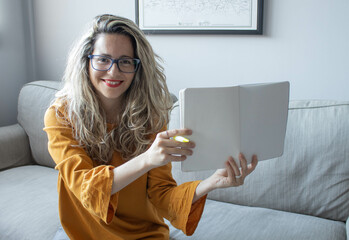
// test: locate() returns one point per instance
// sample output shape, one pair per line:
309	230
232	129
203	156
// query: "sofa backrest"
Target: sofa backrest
312	176
34	99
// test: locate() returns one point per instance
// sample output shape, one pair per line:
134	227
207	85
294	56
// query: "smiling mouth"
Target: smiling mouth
112	83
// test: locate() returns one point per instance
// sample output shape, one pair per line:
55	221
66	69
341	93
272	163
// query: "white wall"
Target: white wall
58	23
13	57
304	42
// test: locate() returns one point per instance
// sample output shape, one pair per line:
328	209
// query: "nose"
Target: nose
114	69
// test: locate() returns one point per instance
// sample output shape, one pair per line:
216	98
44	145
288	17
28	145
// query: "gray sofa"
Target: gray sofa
302	195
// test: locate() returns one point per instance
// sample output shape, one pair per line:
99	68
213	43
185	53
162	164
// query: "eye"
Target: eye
102	59
126	61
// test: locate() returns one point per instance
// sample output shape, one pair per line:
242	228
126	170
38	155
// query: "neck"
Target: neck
112	110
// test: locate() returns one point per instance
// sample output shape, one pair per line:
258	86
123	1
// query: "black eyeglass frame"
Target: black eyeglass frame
138	61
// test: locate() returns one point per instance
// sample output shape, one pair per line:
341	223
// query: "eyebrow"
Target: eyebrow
108	55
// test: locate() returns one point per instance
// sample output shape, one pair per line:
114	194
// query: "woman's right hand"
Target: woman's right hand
165	149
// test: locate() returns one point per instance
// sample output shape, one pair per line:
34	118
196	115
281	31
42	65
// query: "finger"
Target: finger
175	132
175	144
179	151
174	158
234	166
236	180
163	135
243	164
253	164
254	160
230	171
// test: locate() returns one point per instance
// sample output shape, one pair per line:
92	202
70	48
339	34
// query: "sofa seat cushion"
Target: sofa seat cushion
29	203
225	221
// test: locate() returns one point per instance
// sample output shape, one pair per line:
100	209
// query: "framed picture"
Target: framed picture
200	16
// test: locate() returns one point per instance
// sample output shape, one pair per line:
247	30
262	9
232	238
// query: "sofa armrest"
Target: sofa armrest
14	147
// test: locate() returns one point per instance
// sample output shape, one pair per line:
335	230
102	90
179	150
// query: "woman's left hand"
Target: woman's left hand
232	175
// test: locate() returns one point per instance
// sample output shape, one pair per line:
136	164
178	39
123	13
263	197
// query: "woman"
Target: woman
107	135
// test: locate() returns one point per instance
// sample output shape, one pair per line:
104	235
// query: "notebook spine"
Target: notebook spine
181	108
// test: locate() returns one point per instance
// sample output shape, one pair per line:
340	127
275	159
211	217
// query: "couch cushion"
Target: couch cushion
228	221
14	147
34	99
29	203
312	176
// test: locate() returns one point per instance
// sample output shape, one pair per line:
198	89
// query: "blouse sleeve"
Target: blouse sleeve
175	202
90	185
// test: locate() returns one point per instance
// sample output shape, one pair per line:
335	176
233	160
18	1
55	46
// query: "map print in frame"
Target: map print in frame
200	16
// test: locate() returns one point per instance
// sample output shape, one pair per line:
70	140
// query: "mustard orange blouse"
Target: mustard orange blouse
88	210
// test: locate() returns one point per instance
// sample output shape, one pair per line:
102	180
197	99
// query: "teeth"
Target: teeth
113	82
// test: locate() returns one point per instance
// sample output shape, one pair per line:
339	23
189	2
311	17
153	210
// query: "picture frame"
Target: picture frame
200	16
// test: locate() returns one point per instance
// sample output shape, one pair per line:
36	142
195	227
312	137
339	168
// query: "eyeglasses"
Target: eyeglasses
104	63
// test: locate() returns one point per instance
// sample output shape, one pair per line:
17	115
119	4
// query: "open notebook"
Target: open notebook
225	121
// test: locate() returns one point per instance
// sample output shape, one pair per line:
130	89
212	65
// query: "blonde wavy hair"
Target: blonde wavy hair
146	104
